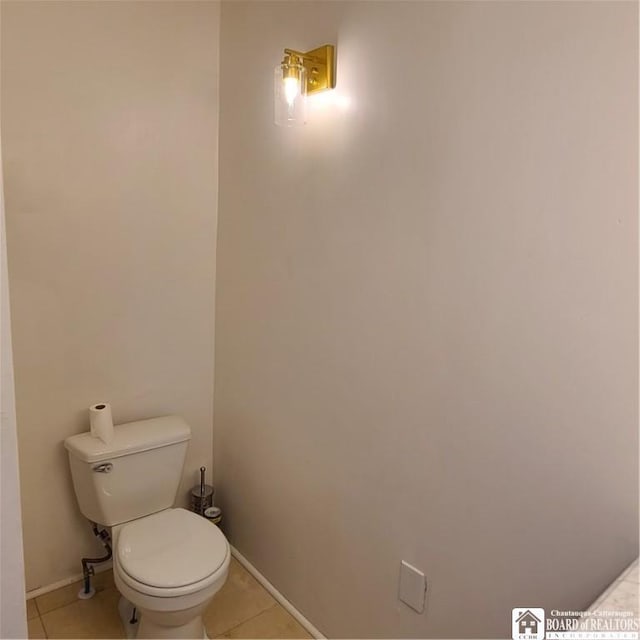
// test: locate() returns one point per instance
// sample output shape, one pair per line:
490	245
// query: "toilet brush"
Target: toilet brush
201	495
201	481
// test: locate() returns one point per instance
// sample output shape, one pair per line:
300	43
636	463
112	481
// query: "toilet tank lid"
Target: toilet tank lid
128	438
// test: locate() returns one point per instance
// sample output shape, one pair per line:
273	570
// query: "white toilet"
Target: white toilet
167	562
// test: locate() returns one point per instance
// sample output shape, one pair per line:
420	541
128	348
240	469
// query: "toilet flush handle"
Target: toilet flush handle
103	468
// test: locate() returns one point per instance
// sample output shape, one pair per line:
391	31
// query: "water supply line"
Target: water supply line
87	563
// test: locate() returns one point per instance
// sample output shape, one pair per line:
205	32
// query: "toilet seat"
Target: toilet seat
170	553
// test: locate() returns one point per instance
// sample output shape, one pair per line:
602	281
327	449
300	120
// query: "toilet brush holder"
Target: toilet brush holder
201	495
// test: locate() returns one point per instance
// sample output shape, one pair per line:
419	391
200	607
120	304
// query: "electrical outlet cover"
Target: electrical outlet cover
413	586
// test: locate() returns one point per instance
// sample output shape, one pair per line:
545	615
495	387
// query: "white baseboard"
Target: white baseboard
276	594
40	591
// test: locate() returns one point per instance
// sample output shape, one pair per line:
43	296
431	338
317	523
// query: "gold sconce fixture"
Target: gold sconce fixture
298	75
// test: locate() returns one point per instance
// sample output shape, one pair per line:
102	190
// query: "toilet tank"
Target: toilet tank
135	475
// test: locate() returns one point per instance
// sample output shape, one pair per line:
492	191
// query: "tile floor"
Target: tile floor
241	609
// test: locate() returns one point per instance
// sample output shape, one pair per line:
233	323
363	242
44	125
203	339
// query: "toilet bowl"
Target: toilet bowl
169	565
167	562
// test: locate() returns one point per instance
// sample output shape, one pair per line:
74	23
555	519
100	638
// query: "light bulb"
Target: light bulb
291	89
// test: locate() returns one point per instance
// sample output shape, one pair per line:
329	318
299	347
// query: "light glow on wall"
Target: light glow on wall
334	100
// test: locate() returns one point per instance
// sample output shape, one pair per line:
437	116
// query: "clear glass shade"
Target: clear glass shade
290	95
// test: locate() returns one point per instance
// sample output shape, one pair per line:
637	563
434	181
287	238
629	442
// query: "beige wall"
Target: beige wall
426	323
109	134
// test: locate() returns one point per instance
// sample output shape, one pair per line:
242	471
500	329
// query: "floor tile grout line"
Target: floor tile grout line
60	606
39	619
46	633
66	604
275	603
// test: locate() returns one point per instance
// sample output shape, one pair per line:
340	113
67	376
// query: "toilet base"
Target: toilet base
148	629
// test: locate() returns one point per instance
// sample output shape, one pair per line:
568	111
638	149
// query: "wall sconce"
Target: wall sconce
296	76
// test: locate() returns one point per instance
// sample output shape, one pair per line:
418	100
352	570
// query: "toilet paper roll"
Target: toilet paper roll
101	422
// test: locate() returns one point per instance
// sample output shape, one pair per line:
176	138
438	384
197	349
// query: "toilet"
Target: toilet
167	562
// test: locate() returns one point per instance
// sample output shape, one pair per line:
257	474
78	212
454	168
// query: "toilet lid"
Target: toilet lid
171	548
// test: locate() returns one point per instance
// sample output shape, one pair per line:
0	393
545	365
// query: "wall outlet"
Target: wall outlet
413	586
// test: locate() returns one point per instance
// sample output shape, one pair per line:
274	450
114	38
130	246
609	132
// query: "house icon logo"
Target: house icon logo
527	623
